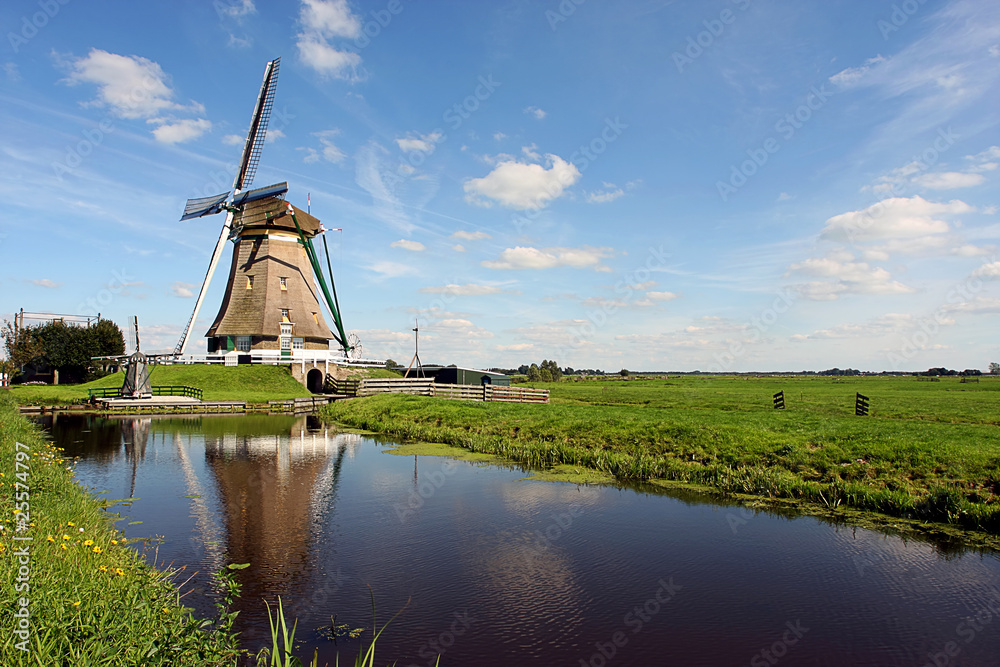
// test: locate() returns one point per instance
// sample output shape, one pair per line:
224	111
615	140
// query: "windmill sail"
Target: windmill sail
248	167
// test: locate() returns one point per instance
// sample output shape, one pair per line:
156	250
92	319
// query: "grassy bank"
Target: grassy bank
929	451
250	383
91	599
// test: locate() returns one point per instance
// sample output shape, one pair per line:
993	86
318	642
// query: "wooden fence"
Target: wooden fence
460	392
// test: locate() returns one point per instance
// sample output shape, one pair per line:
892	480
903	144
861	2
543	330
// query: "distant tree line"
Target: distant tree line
56	346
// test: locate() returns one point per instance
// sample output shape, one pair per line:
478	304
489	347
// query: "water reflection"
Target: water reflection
498	570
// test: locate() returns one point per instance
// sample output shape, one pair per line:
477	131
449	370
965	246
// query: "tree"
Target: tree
22	347
534	375
994	368
623	372
60	347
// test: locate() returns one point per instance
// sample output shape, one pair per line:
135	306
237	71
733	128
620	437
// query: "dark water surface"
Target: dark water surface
500	570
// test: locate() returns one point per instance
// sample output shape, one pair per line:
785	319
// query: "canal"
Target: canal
490	567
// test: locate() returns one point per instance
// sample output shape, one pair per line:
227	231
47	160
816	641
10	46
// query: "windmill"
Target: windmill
136	384
271	301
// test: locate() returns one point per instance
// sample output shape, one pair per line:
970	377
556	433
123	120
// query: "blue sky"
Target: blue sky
716	185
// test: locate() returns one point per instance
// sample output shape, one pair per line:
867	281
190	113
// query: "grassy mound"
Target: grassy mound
250	383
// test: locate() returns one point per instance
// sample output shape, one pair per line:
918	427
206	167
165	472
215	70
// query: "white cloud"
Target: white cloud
784	196
12	72
183	290
45	282
236	9
423	143
391	269
989	271
415	246
948	180
133	87
610	193
852	75
329	150
896	217
498	136
470	236
584	257
322	21
520	186
233	140
465	290
536	112
458	247
182	130
661	296
273	135
849	277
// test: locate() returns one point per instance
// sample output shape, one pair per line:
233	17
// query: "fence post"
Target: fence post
861	406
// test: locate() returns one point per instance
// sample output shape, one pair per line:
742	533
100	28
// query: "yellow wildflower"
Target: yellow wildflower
96	550
87	543
65	537
120	572
50	538
115	542
103	568
64	546
2	548
70	523
77	603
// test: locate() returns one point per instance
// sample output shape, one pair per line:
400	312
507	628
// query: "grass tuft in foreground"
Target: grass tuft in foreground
91	600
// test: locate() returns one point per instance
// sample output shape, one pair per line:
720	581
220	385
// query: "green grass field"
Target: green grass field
928	450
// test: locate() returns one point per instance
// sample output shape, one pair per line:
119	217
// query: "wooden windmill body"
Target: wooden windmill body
272	301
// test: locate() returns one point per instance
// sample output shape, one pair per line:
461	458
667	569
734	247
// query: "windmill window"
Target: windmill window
286	343
249	282
284	315
243	343
315	318
284	284
298	344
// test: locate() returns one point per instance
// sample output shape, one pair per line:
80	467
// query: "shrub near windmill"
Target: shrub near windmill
271	301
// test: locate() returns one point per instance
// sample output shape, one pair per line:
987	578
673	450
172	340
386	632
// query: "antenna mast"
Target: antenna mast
416	352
